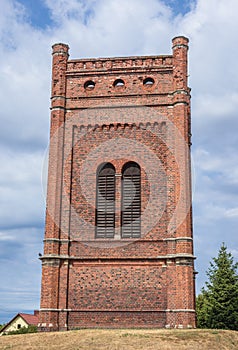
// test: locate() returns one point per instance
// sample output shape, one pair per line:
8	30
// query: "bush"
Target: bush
23	330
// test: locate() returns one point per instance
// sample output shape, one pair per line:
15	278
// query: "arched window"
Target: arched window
131	201
105	201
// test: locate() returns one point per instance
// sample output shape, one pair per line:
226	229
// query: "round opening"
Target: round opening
118	82
148	81
89	85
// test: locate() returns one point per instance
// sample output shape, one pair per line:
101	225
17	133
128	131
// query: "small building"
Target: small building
19	321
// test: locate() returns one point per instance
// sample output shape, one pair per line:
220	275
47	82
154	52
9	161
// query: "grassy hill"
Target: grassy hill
126	339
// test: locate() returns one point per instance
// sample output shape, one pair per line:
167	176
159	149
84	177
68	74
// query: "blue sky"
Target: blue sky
37	12
96	28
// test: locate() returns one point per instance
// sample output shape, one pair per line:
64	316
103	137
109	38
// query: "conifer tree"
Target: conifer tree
217	305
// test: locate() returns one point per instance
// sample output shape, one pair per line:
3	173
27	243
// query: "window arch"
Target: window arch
105	201
131	201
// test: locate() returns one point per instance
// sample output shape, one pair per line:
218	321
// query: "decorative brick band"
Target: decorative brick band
119	63
114	310
177	239
180	46
58	108
169	256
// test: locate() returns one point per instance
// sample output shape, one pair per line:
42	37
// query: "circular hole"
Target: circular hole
89	85
119	82
148	81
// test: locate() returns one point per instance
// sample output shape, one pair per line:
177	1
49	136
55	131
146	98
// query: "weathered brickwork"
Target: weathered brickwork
119	110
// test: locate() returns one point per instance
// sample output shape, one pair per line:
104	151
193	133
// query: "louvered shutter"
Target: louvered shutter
105	207
131	201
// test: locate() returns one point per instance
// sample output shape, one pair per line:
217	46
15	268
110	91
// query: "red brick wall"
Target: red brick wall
146	282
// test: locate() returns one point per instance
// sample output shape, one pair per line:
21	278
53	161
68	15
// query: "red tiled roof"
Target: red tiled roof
30	319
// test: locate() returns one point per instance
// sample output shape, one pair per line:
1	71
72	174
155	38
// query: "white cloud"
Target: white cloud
212	29
216	107
25	79
232	213
6	237
21	196
64	10
106	27
19	260
234	253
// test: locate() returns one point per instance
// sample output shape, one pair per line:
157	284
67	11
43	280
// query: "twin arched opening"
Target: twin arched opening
130	201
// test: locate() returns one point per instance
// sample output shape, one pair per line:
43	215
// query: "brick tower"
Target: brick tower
118	246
